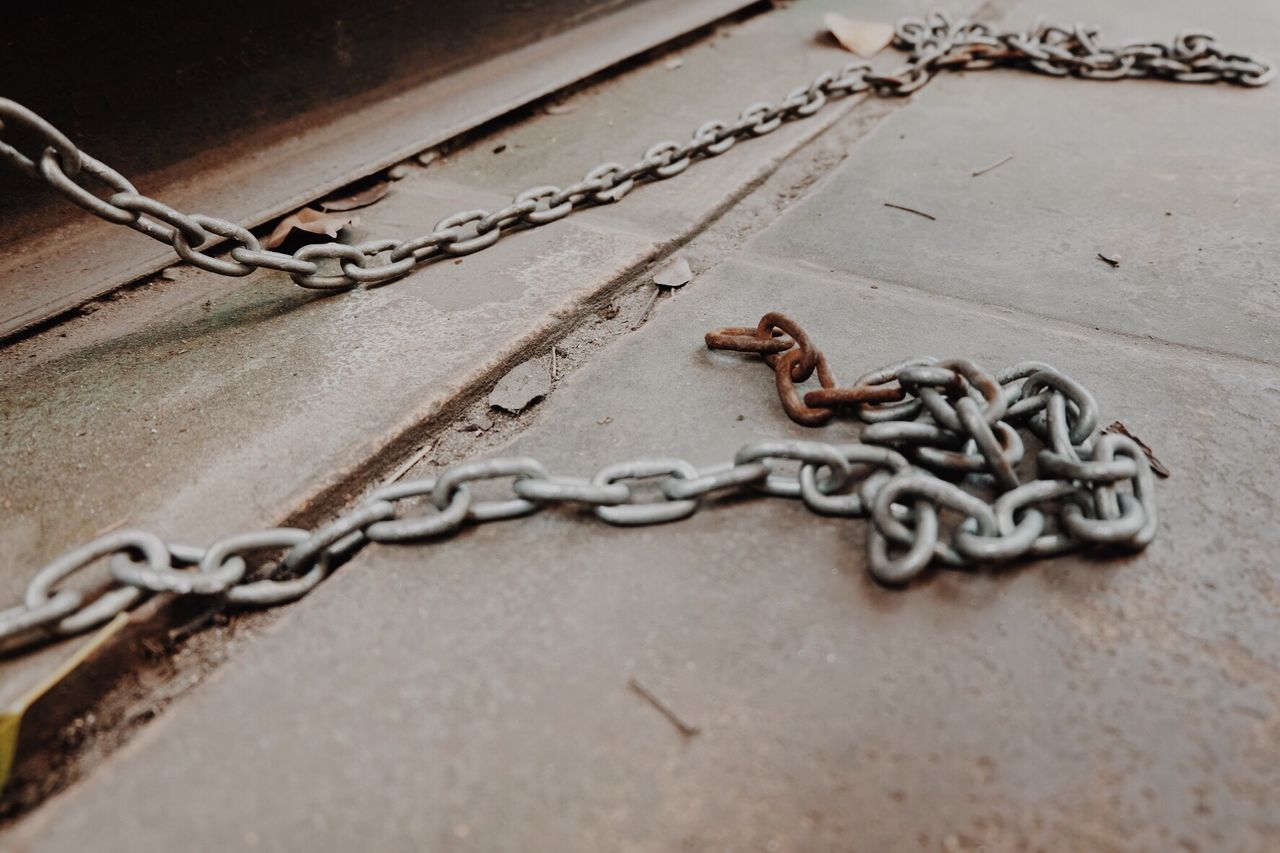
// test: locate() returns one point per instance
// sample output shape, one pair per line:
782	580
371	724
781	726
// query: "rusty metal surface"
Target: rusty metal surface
254	164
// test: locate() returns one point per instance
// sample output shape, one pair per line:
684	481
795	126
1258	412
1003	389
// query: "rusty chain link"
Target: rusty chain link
935	43
953	422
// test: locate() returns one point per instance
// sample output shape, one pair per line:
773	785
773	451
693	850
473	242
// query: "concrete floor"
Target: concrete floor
473	694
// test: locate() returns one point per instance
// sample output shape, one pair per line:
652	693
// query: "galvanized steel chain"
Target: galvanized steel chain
935	43
957	424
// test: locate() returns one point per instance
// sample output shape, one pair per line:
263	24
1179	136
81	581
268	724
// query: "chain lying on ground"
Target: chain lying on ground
956	421
929	423
935	43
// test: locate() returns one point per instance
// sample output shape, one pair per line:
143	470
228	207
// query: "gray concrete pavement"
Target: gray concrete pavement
472	694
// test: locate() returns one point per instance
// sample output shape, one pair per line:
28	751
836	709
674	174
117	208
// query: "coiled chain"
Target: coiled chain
931	425
935	43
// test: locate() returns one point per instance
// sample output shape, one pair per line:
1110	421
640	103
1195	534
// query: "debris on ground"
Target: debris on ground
309	221
353	200
1113	261
681	726
426	158
673	63
521	387
675	273
479	423
398	172
928	216
863	38
995	165
1157	466
560	108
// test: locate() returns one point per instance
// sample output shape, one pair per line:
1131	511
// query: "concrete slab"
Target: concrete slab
171	416
473	694
81	400
1174	180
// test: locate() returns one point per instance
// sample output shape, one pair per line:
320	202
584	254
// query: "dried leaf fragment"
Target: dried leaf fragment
527	383
355	200
1156	465
674	274
309	220
863	38
560	108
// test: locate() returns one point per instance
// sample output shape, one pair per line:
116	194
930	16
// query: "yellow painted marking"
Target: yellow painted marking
11	717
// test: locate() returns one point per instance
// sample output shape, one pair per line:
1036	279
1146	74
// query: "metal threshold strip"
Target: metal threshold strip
52	260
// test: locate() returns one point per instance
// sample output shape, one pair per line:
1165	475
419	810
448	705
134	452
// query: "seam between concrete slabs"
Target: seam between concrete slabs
750	257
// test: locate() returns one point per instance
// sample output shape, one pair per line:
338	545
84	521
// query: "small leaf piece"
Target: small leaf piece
311	221
864	38
355	200
674	274
516	391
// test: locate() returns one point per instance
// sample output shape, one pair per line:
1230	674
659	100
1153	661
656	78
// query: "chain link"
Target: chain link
935	43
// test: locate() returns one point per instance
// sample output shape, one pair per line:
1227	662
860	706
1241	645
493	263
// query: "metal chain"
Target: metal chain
931	425
935	43
958	422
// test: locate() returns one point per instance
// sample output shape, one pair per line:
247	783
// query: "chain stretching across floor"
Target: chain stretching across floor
952	421
935	43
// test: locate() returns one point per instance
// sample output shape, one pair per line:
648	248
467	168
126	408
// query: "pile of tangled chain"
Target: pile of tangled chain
931	424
